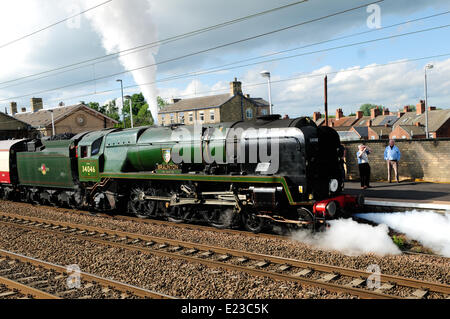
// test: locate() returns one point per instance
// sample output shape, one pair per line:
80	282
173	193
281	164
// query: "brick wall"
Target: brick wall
427	160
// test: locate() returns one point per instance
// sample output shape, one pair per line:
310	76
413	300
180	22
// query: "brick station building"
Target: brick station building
68	119
233	106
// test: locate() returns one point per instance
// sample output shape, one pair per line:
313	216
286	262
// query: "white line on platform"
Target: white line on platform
407	205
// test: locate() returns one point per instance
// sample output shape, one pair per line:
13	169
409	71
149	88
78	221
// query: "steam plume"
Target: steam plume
430	229
124	24
351	238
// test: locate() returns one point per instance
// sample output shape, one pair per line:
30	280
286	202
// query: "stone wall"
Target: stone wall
427	160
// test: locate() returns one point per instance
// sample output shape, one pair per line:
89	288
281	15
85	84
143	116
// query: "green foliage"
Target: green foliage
141	113
367	107
161	103
398	241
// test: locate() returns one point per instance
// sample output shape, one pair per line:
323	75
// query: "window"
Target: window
162	119
191	117
212	114
394	137
404	137
249	113
264	112
372	137
84	151
181	118
172	119
95	149
202	116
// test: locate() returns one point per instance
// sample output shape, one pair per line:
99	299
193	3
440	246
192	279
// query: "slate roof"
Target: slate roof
205	102
383	120
363	131
43	118
416	130
436	119
381	130
8	122
362	121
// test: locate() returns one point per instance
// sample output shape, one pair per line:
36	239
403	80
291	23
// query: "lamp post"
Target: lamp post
53	123
121	87
266	74
429	66
131	109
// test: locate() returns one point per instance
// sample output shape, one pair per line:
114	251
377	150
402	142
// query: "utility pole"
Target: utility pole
326	100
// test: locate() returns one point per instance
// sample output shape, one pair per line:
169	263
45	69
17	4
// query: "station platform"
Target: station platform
403	196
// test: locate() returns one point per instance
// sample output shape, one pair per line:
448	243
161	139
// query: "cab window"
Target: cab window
95	149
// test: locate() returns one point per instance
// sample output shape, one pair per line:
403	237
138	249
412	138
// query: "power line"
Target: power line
157	43
258	57
265	83
250	64
199	52
52	25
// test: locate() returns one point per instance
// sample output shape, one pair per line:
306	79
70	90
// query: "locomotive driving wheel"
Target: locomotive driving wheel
252	222
140	206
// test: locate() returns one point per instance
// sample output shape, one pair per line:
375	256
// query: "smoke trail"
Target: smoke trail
430	229
351	238
124	24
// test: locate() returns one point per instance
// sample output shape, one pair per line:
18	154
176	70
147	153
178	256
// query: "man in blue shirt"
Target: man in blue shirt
392	157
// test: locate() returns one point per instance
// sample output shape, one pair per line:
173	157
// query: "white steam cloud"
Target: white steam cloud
430	229
124	24
351	238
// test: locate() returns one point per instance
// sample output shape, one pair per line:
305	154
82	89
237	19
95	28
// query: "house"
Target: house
11	128
378	132
68	119
230	107
407	132
438	123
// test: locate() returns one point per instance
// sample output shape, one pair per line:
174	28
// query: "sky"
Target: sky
387	72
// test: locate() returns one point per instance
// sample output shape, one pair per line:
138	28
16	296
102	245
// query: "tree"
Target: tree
367	107
141	113
161	103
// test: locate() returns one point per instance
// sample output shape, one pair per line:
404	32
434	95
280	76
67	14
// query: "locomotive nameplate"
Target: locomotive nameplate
168	169
88	169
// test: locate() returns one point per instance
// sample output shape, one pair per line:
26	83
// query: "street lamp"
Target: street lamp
131	109
266	74
121	87
429	66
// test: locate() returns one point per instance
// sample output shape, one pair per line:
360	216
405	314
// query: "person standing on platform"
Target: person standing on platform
392	157
364	167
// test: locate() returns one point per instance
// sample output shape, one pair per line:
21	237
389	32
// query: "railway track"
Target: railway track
331	278
26	277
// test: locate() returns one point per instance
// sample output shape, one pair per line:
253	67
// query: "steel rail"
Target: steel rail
140	292
26	290
401	281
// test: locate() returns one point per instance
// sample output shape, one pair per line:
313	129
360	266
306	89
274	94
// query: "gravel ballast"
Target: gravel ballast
422	267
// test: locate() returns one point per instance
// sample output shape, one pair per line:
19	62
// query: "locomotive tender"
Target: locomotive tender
268	171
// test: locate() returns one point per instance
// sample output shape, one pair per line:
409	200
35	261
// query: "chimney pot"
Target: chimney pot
36	104
420	107
339	114
235	87
175	101
369	123
386	112
359	114
400	114
374	113
432	108
406	109
13	108
24	109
